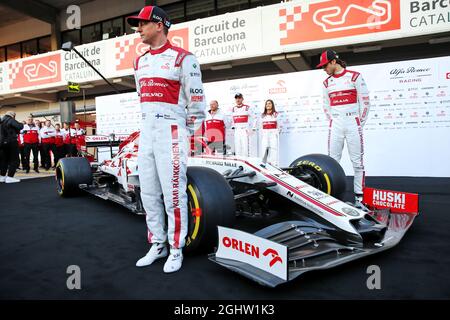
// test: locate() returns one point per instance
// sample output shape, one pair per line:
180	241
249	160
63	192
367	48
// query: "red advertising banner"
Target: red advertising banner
336	19
35	71
396	201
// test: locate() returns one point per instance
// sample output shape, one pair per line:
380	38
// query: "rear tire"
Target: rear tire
210	204
327	174
70	173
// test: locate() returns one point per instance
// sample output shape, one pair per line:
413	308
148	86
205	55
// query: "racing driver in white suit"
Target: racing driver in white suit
244	126
346	105
168	80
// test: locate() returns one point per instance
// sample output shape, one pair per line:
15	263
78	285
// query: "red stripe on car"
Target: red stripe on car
296	191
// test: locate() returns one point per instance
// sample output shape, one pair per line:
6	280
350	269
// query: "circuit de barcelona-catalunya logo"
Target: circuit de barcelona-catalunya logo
335	19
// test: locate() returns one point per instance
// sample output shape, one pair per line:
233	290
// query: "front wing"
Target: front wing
312	246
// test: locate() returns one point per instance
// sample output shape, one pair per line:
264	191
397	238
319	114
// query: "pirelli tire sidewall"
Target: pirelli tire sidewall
327	171
210	204
70	173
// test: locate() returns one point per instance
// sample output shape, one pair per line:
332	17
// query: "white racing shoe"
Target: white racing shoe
11	180
174	261
157	251
2	178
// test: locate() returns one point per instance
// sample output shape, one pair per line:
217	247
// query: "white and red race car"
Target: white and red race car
326	231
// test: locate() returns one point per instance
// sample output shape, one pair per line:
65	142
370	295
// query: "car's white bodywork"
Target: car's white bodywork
124	166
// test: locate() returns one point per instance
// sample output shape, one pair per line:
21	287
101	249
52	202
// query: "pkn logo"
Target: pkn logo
275	256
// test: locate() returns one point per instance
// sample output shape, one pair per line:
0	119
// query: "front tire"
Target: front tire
70	173
326	173
210	204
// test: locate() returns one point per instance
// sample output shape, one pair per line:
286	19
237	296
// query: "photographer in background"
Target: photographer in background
9	147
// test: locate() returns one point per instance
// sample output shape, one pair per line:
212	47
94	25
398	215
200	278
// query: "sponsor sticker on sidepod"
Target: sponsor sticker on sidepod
261	253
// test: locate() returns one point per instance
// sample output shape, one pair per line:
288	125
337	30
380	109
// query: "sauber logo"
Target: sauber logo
251	250
275	257
281	88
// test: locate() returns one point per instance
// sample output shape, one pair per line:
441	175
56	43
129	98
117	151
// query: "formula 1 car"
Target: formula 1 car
327	232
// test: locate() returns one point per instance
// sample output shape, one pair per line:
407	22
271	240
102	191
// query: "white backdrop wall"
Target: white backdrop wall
407	133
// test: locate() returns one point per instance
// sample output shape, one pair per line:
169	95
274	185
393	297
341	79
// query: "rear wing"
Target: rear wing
105	141
99	141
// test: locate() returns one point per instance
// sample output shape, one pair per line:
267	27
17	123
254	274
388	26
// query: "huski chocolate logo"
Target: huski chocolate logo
389	199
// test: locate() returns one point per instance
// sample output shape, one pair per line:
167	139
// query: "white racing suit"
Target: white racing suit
243	125
169	84
270	137
346	104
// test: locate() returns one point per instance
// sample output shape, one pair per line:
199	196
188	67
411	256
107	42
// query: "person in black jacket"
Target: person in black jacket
22	149
9	149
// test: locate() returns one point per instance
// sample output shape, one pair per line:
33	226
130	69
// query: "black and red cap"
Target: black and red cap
238	95
326	57
150	13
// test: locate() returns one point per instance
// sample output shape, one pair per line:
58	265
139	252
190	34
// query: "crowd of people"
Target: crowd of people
244	124
31	140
